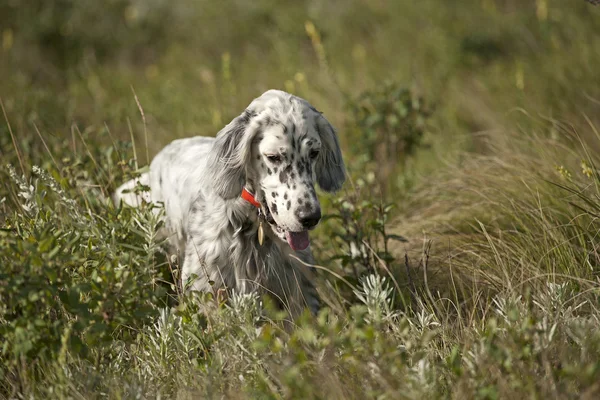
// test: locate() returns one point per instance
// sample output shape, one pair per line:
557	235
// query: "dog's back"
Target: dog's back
170	169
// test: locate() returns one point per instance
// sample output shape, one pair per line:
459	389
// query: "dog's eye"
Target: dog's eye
314	154
274	158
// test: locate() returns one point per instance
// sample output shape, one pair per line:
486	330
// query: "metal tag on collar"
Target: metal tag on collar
261	231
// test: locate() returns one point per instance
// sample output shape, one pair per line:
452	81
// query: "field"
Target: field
461	260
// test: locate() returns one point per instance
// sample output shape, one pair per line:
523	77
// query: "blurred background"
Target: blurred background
409	84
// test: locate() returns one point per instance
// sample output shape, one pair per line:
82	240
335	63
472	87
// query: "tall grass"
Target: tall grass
504	303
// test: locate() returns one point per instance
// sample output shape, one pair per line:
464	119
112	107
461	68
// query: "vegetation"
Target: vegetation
460	261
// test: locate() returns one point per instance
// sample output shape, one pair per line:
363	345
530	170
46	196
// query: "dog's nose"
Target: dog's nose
309	218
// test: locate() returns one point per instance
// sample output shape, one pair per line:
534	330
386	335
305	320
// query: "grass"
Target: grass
468	270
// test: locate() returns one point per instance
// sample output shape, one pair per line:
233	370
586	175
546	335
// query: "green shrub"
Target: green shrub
390	122
357	242
77	273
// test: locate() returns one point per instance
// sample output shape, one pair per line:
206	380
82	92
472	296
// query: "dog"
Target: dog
239	207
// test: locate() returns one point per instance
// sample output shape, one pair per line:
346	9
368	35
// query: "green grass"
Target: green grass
480	282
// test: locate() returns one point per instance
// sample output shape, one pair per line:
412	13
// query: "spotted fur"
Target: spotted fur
278	148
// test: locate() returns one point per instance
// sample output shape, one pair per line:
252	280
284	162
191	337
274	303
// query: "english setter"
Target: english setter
239	205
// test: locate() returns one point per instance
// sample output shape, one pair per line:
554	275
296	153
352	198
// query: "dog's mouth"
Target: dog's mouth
296	240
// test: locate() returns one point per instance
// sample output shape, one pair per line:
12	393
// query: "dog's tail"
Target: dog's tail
134	192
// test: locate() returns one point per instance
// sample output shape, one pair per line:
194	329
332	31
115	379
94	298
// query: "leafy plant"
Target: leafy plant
358	229
74	276
391	122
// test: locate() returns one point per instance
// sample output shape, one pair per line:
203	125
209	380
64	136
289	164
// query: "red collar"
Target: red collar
249	197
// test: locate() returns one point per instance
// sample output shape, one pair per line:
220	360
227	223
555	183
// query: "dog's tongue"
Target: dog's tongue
297	240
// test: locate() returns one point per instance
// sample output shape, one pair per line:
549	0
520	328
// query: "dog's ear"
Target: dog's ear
330	169
229	156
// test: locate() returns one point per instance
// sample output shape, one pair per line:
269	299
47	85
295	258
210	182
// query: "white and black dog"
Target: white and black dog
239	205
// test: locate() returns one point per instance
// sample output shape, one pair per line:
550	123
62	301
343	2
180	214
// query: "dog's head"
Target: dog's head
279	147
